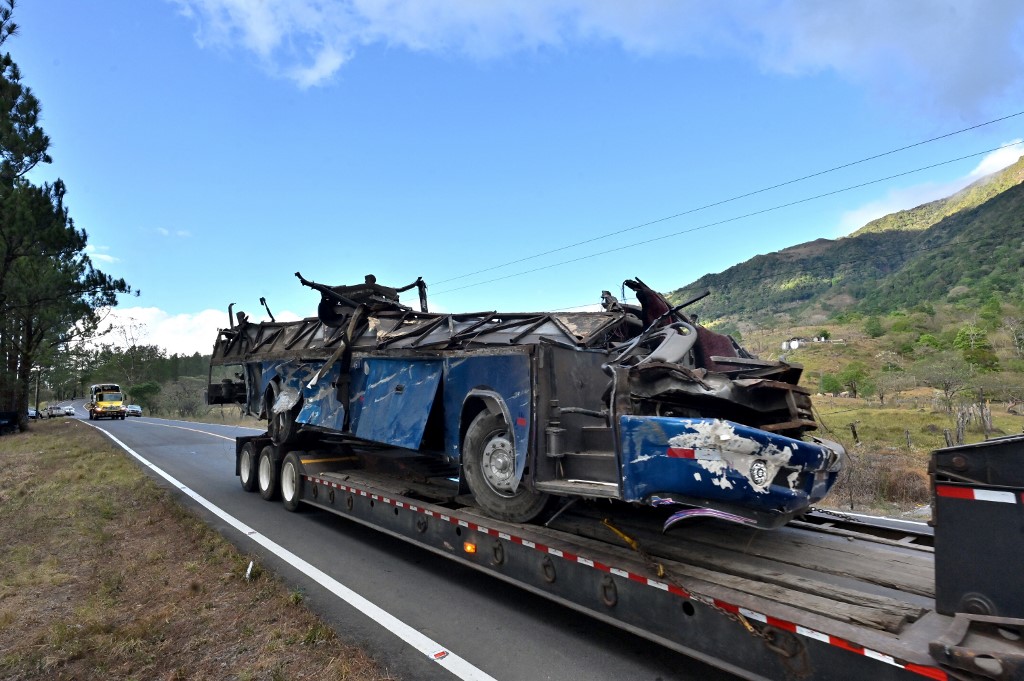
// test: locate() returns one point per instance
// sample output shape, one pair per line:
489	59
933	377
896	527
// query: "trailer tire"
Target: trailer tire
268	473
247	467
281	426
291	482
489	466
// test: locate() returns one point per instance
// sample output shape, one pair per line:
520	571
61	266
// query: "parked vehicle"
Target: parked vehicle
54	410
133	410
69	410
635	403
32	413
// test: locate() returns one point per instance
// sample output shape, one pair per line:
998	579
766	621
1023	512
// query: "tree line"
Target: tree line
50	291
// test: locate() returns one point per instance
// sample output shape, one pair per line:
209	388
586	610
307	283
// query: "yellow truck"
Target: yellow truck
106	401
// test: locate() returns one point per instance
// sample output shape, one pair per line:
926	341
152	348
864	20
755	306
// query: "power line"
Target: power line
730	200
879	256
726	220
832	266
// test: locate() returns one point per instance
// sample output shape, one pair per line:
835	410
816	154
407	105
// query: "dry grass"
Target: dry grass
884	474
104	576
223	414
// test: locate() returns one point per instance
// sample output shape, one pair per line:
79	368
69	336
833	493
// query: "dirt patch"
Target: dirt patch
104	576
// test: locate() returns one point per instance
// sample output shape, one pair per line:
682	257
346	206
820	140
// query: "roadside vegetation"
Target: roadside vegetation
103	575
889	446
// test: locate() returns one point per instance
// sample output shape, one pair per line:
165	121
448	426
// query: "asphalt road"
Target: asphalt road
505	632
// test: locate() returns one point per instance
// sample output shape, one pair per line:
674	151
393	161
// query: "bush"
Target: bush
873	327
887	477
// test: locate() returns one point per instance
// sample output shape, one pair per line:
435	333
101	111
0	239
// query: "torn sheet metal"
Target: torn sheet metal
635	403
725	465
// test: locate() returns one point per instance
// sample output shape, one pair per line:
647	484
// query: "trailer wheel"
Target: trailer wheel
247	467
291	482
267	474
281	425
489	466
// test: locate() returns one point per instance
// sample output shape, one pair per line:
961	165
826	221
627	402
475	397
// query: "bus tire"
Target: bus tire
489	466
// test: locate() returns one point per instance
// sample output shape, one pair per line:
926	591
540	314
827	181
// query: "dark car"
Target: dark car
133	410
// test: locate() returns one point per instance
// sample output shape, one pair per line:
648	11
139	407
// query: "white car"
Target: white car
133	410
69	410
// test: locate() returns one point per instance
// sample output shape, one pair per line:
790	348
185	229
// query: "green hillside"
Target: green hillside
928	214
964	248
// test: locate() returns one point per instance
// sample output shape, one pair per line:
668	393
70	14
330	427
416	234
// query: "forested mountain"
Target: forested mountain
965	248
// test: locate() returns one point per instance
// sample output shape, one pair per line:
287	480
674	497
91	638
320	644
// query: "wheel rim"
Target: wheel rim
288	481
498	465
266	470
245	466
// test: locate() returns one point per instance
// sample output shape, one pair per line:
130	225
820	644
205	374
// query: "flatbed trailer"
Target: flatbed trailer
826	597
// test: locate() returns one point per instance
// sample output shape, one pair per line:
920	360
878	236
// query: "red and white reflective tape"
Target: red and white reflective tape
996	495
928	672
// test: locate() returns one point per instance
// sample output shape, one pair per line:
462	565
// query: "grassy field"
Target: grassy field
887	467
103	575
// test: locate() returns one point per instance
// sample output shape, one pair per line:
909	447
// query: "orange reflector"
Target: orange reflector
469	547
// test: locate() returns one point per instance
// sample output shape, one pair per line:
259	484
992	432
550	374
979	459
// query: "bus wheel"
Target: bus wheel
281	425
489	466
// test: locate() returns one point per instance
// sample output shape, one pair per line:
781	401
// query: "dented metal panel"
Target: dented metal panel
723	464
507	377
395	403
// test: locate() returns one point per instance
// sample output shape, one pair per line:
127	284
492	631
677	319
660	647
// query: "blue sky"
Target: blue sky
212	148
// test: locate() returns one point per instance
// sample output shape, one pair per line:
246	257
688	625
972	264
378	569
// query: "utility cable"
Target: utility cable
728	220
731	199
887	256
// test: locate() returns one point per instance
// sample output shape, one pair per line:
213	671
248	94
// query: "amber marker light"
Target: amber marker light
469	547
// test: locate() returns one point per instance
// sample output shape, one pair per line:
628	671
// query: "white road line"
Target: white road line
194	430
433	650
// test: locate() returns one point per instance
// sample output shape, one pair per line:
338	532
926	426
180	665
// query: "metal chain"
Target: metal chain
834	514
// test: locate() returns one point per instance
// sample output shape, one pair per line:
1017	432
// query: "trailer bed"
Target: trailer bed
797	601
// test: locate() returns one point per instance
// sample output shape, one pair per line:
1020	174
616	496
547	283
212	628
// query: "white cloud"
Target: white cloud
180	233
182	334
99	253
998	159
911	197
959	53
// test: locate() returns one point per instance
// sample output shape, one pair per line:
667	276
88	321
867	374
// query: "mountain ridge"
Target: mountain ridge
967	246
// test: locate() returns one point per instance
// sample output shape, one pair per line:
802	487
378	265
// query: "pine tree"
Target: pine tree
49	290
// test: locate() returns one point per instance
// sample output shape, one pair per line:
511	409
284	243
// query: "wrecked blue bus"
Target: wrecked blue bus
635	403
